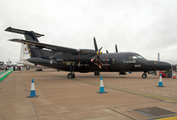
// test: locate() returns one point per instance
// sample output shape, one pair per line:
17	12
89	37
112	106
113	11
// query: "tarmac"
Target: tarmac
128	97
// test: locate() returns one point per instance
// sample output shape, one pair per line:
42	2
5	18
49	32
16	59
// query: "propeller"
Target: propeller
97	61
116	48
96	49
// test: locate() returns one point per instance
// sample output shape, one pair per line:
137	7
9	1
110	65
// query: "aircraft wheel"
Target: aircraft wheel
144	75
73	75
70	76
96	73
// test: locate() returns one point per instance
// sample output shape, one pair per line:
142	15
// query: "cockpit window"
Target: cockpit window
134	57
138	56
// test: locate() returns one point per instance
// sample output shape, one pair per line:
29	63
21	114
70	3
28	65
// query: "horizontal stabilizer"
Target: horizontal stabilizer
10	29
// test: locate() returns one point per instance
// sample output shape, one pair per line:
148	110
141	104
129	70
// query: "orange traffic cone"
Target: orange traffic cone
174	76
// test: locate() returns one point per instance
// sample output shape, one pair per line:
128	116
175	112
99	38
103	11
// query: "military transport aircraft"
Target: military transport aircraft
84	60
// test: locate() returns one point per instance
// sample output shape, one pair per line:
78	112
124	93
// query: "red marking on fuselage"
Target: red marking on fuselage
106	61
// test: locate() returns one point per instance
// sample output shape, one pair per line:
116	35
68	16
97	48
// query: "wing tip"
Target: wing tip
8	28
14	40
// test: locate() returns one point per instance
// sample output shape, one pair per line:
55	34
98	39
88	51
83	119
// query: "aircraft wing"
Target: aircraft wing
48	46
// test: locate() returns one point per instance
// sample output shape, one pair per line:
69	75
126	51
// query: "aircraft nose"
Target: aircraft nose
158	65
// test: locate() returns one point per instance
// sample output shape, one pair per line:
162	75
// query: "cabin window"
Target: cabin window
134	57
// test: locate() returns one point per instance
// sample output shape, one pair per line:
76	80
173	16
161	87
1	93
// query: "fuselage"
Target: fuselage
110	62
84	60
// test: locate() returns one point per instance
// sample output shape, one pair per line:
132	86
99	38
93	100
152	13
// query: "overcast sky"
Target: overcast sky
147	27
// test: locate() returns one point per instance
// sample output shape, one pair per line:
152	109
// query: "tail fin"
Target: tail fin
29	35
24	54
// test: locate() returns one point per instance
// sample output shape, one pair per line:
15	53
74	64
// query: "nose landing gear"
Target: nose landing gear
70	75
144	75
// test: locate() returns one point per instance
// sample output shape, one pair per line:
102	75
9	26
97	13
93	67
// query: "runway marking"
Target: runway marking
173	117
168	118
159	97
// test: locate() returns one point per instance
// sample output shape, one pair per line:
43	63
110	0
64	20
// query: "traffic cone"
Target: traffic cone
33	93
174	76
160	81
101	86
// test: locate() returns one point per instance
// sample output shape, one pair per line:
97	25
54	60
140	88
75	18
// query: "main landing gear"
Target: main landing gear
97	73
71	75
144	75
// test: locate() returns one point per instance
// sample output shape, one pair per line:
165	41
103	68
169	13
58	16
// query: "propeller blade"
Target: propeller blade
95	44
98	57
116	48
100	48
